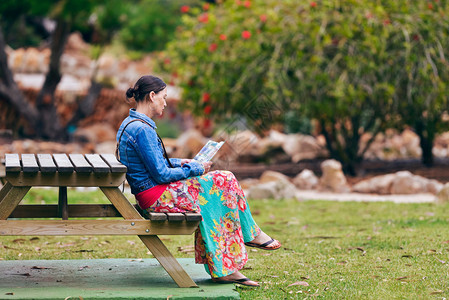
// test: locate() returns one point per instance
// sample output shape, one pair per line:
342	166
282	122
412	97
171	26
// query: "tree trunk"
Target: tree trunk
49	125
426	135
10	92
86	106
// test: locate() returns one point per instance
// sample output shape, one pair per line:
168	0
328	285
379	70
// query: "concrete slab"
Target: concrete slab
104	279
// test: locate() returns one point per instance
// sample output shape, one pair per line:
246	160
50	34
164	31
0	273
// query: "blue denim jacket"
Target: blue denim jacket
141	152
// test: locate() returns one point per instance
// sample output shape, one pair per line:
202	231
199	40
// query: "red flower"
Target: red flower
207	123
213	47
416	37
313	4
167	61
247	4
185	9
263	18
430	6
206	6
207	109
204	18
246	34
223	37
206	97
387	22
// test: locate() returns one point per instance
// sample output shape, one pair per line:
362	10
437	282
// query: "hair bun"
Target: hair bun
130	93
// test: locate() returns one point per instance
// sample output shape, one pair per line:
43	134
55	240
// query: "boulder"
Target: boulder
106	147
306	180
300	146
265	190
189	143
272	190
333	179
272	185
96	133
376	185
407	183
443	194
268	176
247	183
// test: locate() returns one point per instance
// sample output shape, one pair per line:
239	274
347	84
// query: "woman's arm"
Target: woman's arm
146	144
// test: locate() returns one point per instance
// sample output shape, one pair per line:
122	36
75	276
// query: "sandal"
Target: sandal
264	245
242	281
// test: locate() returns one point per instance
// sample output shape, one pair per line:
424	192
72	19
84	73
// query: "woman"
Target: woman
161	184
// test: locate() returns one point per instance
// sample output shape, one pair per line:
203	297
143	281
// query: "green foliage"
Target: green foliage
151	24
341	63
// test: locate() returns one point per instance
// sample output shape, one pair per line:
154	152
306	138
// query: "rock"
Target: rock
265	190
376	185
189	143
268	176
278	189
407	183
247	183
300	147
76	44
96	133
443	194
434	186
272	185
106	147
333	178
306	180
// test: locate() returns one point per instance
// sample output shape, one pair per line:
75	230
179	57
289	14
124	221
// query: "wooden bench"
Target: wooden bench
90	170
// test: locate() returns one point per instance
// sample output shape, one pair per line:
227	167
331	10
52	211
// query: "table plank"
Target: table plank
29	163
113	163
80	163
157	216
12	162
63	163
193	217
176	217
97	163
46	163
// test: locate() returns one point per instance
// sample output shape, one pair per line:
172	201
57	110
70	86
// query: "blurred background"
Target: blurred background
288	84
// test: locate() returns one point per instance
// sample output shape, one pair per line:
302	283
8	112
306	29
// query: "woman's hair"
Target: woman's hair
145	85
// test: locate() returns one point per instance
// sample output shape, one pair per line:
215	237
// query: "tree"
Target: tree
422	91
152	23
43	116
340	63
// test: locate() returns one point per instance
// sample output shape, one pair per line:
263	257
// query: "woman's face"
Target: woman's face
159	101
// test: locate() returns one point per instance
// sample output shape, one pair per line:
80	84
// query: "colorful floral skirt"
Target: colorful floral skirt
227	221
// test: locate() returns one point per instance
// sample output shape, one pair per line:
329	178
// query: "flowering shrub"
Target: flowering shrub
353	66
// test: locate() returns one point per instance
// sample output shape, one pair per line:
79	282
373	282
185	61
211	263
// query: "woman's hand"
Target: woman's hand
185	161
207	166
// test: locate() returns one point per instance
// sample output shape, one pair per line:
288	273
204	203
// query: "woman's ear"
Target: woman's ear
151	96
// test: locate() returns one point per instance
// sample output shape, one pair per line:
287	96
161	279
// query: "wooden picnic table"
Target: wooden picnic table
89	170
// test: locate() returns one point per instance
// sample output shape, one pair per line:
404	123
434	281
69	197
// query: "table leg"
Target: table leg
11	199
153	243
5	190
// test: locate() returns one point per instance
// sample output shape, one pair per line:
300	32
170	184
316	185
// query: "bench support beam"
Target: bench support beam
153	243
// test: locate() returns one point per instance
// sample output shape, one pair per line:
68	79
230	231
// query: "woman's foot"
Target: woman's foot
236	277
265	242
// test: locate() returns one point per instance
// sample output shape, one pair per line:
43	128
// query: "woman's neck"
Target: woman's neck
145	109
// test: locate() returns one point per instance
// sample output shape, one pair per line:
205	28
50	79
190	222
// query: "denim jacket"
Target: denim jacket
141	152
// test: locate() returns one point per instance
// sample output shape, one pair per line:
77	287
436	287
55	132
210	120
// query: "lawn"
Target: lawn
331	250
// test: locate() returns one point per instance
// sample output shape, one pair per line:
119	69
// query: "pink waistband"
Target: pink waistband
148	197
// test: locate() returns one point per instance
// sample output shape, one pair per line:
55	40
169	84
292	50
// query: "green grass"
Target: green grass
341	250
